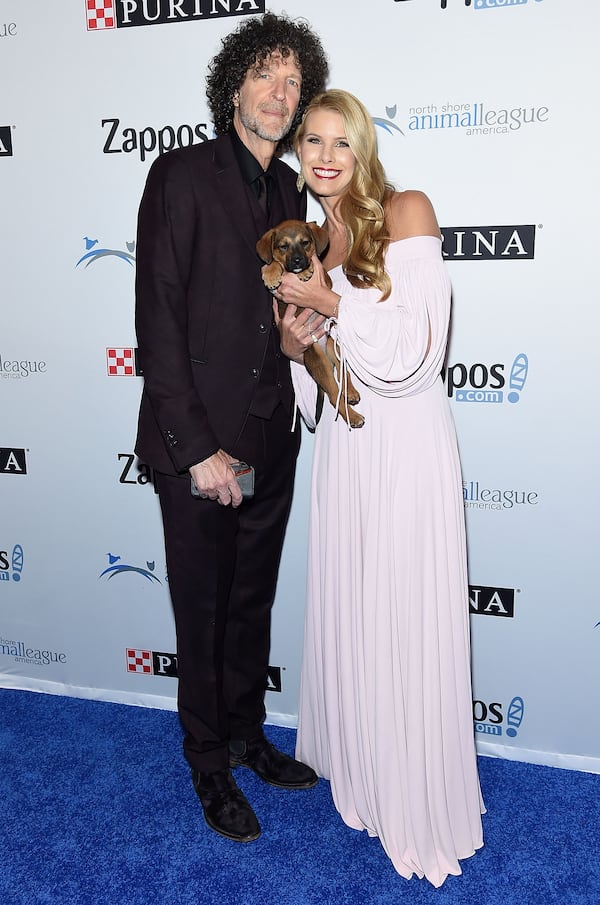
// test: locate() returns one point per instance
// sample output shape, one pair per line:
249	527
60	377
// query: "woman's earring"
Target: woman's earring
300	181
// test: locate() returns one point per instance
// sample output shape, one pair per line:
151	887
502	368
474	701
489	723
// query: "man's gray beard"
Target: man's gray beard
252	125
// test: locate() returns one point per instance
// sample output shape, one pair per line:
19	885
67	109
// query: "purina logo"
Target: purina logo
6	148
103	15
490	719
484	601
488	243
12	460
151	662
94	252
159	663
122	362
486	383
11	564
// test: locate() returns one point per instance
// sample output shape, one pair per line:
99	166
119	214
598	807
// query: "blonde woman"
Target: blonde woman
385	710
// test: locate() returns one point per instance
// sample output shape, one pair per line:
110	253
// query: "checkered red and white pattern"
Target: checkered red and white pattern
139	661
100	14
120	362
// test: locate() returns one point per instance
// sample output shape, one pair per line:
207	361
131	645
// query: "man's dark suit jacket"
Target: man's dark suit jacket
203	315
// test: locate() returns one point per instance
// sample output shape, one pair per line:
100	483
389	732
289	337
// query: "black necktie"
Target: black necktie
262	192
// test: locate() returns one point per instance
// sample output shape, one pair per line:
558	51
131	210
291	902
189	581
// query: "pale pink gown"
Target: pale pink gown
385	708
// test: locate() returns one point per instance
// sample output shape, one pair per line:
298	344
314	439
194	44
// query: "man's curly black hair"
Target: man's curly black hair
251	44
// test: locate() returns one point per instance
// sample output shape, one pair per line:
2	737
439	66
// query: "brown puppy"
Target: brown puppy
290	246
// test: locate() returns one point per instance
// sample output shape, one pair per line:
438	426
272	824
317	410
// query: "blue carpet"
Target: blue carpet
97	807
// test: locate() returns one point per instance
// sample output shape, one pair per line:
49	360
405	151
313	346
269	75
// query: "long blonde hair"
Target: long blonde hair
362	206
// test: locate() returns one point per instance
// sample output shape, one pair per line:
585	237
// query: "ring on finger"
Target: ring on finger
314	338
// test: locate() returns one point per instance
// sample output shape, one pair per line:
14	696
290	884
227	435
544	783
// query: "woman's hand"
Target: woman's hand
313	293
299	329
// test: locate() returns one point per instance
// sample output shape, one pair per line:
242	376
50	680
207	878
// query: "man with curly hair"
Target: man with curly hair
217	390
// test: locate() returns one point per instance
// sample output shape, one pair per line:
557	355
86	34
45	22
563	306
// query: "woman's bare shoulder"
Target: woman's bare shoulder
410	213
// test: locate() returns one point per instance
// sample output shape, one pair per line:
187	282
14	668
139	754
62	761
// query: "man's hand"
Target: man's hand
215	479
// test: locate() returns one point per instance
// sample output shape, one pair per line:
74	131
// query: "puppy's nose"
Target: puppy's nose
298	261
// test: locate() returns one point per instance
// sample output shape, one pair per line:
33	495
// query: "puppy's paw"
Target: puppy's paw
272	285
305	275
355	419
352	396
272	275
352	418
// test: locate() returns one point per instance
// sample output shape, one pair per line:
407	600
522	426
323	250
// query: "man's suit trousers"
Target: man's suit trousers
222	568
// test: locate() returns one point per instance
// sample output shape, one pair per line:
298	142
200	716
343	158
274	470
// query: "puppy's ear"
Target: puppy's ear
264	247
320	235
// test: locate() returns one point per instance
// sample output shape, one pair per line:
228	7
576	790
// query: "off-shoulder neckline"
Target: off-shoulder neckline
396	242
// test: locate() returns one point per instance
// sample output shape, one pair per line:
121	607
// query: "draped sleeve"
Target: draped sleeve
397	347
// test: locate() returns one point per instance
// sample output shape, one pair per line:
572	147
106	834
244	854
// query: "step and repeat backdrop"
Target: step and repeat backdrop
490	107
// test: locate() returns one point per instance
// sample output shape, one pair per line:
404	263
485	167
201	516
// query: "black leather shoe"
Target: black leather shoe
226	809
270	764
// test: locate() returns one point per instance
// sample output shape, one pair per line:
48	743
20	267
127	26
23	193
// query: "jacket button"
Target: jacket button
255	373
262	328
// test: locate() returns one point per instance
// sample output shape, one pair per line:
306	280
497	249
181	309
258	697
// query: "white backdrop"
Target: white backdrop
490	107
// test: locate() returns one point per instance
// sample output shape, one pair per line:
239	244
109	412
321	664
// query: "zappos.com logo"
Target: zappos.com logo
130	140
11	564
491	719
499	4
478	4
488	383
482	4
135	472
